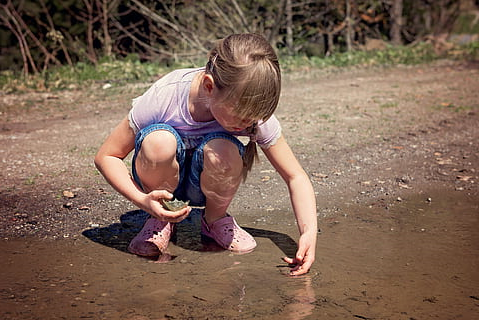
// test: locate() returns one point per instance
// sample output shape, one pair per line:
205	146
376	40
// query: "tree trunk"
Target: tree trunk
274	32
289	27
348	26
396	22
107	43
330	50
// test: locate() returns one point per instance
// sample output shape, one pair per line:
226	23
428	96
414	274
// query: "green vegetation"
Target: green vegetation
388	105
453	107
393	55
130	69
70	77
466	23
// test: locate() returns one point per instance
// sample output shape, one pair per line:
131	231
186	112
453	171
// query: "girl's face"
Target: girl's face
224	113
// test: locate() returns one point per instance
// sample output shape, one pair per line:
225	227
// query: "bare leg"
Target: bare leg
157	169
221	177
156	163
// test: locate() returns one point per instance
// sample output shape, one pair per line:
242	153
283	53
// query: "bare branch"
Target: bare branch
244	21
149	13
214	6
137	40
22	42
52	28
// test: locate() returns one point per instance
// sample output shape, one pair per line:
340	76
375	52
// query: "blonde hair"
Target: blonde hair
245	69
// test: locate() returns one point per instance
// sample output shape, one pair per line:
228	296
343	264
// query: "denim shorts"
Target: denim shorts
190	161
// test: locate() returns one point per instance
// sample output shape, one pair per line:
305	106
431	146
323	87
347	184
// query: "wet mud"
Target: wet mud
392	153
418	261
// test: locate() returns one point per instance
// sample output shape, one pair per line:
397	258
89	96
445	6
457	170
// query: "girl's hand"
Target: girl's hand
304	258
152	204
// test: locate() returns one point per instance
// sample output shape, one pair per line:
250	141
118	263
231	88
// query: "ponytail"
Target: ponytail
251	152
249	157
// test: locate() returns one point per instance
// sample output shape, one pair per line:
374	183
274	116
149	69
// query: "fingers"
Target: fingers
154	206
161	194
299	267
298	271
176	216
289	260
301	263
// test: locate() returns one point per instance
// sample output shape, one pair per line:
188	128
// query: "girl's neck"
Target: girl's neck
198	104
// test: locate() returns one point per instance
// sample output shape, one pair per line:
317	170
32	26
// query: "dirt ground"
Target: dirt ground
393	154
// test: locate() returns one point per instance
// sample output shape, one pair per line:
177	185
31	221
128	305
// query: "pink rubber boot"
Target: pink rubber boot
153	238
228	234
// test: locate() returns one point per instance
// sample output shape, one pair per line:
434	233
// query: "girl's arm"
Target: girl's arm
109	161
303	201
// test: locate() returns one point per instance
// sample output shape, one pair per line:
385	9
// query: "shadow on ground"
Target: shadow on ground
119	235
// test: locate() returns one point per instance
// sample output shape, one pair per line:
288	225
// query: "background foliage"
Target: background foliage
41	35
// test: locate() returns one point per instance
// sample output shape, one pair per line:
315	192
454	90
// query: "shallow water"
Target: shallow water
418	260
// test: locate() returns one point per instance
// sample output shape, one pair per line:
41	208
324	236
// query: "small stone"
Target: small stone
68	194
265	178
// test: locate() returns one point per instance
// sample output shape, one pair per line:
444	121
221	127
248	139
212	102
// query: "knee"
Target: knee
222	157
158	147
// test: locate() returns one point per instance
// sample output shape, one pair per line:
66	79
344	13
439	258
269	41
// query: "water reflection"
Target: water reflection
302	300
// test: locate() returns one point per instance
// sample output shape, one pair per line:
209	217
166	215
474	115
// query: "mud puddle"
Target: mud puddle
417	260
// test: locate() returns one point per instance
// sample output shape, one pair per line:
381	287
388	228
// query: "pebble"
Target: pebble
21	215
68	205
68	194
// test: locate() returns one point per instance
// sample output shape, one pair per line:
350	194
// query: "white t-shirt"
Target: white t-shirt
166	101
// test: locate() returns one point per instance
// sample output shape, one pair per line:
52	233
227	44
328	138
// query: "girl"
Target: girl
183	130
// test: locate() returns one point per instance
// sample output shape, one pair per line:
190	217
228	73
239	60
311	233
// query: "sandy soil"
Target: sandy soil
393	154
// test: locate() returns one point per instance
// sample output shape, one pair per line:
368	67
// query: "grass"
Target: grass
405	55
453	107
81	75
119	72
388	105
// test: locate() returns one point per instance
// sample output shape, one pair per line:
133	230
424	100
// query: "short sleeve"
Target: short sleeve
153	105
268	132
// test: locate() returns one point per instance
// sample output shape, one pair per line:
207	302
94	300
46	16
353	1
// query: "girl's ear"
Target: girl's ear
208	84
